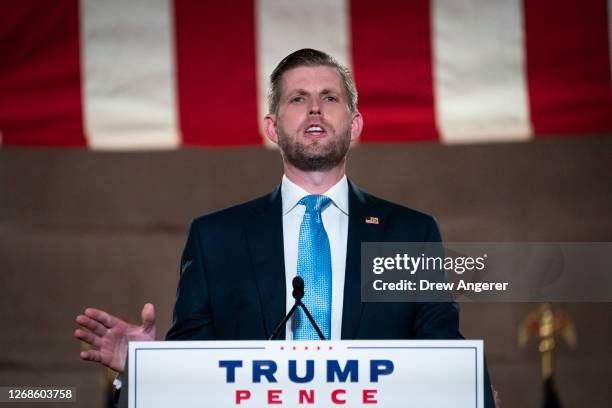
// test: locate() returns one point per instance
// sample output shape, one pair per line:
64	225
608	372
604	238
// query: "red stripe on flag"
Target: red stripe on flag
568	66
40	83
393	70
217	94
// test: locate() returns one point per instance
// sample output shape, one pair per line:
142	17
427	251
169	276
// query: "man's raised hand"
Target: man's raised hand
109	335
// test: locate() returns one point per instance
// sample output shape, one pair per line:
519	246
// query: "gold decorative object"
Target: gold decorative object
545	324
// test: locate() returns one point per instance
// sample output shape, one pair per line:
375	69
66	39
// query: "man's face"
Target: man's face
313	126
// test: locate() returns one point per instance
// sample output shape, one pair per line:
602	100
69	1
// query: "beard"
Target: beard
315	156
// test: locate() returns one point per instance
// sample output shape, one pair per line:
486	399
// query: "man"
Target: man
238	263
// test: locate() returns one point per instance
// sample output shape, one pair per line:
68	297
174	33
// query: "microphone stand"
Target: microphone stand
298	294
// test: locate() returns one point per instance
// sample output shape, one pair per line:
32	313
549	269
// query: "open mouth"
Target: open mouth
315	130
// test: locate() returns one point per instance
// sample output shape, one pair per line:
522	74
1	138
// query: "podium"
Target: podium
384	373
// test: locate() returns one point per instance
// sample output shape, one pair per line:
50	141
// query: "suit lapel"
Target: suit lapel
265	238
360	209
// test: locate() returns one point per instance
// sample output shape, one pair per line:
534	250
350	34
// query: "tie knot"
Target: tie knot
315	202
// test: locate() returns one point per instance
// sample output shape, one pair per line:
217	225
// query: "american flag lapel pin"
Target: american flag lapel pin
371	220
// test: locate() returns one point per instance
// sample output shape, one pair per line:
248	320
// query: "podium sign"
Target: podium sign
385	373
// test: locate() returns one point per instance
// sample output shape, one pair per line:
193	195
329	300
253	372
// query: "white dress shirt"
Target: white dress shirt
335	221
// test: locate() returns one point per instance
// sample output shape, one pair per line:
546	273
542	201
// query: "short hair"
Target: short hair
307	57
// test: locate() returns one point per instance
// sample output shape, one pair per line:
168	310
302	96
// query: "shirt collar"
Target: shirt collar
291	194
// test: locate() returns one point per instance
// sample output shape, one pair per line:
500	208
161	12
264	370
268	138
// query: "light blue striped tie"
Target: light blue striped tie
314	266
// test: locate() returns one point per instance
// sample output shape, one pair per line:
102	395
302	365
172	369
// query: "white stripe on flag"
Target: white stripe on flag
128	74
286	26
479	71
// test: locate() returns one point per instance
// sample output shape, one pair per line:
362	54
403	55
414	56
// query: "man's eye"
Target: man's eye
330	98
297	99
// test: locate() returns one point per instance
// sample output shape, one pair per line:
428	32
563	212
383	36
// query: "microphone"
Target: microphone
298	294
298	288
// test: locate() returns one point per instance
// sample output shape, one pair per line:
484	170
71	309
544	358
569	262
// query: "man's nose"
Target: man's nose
314	108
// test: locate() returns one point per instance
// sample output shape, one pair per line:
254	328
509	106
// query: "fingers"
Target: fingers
496	398
91	355
148	317
106	319
92	325
88	337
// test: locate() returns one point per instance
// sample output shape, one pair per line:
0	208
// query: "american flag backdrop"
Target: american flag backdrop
162	74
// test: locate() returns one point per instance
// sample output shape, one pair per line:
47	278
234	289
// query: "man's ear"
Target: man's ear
356	126
270	127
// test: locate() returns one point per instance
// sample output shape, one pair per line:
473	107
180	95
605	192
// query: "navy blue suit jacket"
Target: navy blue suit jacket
232	282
